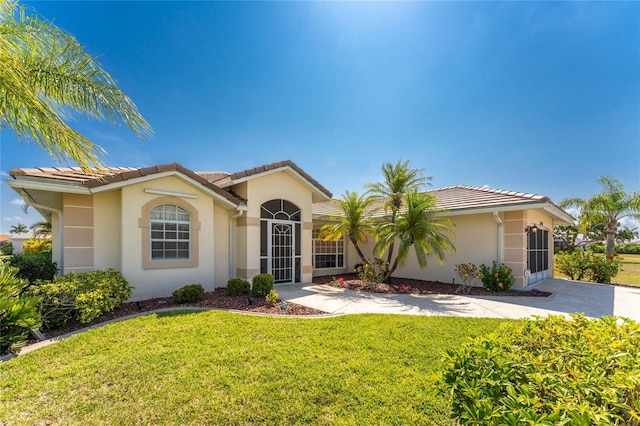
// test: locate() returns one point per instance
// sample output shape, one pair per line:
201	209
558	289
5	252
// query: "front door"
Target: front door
280	241
282	251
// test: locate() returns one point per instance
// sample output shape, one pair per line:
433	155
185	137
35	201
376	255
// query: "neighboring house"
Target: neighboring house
167	226
17	241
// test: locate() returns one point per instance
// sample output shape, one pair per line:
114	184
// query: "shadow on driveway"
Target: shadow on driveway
594	300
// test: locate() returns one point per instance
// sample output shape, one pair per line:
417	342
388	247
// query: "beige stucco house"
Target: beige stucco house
167	226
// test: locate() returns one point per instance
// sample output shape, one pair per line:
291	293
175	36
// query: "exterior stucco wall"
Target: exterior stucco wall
278	185
108	230
221	246
476	241
56	247
152	281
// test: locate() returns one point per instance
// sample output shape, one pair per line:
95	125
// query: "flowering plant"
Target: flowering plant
403	288
498	277
338	282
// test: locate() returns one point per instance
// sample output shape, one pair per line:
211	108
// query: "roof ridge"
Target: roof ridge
490	190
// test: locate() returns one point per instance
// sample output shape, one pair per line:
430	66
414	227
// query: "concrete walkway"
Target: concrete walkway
594	300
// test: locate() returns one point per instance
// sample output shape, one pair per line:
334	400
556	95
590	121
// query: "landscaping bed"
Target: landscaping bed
411	286
215	299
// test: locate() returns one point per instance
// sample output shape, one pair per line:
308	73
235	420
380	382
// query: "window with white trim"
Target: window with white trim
170	233
327	254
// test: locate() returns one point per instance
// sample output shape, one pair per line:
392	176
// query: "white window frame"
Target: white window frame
175	222
327	248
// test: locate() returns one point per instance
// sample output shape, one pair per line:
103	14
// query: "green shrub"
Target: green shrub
628	249
261	285
6	249
190	293
581	265
575	265
80	296
373	273
603	268
18	312
238	287
272	298
36	245
34	267
596	248
357	266
497	278
546	372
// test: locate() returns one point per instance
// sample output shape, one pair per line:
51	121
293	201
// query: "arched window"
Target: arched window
170	232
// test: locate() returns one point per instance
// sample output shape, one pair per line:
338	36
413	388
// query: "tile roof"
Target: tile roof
217	181
231	178
108	175
454	198
69	174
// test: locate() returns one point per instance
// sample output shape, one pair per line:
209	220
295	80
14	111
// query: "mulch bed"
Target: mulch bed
214	299
220	299
411	286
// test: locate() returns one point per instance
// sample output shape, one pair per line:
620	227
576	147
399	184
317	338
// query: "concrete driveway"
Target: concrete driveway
594	300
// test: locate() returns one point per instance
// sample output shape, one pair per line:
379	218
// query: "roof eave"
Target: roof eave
320	194
225	201
20	182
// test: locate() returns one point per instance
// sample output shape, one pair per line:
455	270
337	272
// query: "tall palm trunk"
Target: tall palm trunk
357	247
611	230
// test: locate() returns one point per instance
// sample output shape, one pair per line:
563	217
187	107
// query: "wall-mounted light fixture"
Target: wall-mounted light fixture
533	228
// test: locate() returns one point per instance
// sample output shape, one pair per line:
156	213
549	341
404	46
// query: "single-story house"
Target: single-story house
17	241
167	226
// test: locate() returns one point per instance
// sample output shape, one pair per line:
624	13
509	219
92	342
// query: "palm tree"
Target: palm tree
417	225
355	223
607	208
41	229
45	75
399	179
20	228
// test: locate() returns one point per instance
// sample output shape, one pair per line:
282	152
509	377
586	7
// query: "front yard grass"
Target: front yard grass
216	367
630	274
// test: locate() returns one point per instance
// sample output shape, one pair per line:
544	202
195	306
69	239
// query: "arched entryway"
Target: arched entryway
280	241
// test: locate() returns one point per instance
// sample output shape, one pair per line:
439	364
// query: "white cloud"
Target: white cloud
17	202
18	219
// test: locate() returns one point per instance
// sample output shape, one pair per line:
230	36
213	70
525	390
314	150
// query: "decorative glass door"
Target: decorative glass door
280	241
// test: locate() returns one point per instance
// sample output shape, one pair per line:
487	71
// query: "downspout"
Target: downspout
496	217
25	195
231	219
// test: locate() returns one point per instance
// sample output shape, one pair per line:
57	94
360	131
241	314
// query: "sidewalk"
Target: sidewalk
594	300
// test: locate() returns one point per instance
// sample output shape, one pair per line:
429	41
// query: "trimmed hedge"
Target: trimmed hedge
82	296
238	287
548	371
261	285
33	267
190	293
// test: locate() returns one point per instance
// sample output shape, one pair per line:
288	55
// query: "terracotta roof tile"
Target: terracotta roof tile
454	198
108	175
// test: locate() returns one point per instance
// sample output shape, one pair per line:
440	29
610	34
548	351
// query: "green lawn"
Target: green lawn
630	270
630	274
216	367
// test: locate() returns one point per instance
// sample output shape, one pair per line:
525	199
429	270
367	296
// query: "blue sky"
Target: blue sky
539	97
